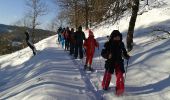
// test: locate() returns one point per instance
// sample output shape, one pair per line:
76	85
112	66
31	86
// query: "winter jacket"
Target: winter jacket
72	37
67	34
117	50
90	44
79	37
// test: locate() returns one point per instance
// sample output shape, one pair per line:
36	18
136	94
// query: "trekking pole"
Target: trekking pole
126	69
99	58
100	62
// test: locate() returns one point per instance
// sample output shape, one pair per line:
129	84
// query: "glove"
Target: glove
126	56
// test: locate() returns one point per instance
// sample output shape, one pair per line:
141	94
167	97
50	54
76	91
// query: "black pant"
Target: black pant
78	49
109	65
72	48
67	44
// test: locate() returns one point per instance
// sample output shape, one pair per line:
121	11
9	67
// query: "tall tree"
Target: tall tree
70	9
135	9
36	9
86	13
75	7
92	12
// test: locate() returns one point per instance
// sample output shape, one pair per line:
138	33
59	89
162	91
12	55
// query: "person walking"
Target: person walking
67	38
59	34
79	37
72	41
89	45
114	49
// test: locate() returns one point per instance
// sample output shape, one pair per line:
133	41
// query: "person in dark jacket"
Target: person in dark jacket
79	37
115	62
67	38
30	44
72	41
59	34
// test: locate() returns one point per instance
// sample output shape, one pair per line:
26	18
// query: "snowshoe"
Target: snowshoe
91	69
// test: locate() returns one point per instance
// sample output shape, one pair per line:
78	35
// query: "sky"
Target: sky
13	10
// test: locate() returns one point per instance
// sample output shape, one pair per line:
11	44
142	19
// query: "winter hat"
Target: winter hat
60	28
91	33
80	28
115	33
72	29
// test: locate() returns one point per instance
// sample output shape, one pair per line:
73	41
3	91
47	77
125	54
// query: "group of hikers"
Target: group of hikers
77	44
114	52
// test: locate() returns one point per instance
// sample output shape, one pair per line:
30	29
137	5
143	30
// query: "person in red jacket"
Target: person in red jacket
89	45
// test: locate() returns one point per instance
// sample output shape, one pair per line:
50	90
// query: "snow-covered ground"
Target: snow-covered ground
50	75
54	75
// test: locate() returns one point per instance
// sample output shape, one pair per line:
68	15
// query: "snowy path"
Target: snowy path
51	75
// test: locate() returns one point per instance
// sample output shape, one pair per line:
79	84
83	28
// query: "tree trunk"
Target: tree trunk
75	9
86	14
33	34
129	39
33	29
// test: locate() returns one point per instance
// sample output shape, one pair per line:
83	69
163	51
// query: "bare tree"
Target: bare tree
135	9
53	25
24	22
36	9
93	11
86	7
72	9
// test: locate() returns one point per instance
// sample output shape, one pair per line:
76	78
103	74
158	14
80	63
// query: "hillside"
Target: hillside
12	38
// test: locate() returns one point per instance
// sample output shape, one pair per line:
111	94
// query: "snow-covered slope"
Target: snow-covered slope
155	18
53	75
50	75
148	74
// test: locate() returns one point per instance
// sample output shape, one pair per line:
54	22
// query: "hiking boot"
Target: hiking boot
105	88
91	69
119	92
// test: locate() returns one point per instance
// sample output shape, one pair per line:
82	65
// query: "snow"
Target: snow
49	75
15	44
53	75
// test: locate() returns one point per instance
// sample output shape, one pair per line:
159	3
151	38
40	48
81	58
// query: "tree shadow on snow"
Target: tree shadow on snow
165	46
150	88
50	60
